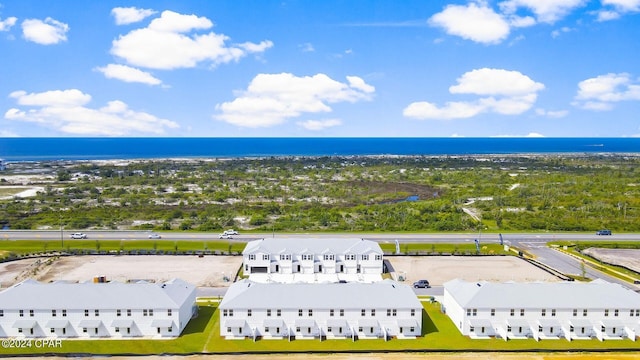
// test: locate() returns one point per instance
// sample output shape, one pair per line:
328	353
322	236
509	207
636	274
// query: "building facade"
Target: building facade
286	258
563	310
96	310
318	311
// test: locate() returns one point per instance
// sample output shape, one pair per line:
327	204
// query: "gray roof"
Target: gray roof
312	246
559	295
381	295
31	294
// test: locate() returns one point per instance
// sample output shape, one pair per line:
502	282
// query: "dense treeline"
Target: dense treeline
520	193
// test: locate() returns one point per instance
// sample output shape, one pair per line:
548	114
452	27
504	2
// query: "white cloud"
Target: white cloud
476	22
504	92
7	23
307	47
547	11
130	15
65	110
7	133
128	74
529	135
169	43
45	32
556	114
558	32
600	93
616	8
270	99
317	125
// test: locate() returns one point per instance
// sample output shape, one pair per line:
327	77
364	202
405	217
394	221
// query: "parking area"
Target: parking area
440	269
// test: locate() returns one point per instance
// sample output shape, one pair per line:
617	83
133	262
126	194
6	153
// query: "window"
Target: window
252	257
328	328
31	313
228	329
373	312
615	312
493	312
1	313
144	312
86	312
341	312
230	312
360	329
128	312
265	256
96	312
310	312
394	312
331	312
307	257
52	330
285	256
298	329
363	312
169	312
543	312
631	312
300	312
584	312
329	257
266	329
378	257
64	313
412	329
53	313
606	312
388	312
225	312
268	312
350	257
117	329
118	312
471	328
540	328
413	312
475	312
553	312
365	257
512	312
468	312
508	328
84	330
575	312
249	312
521	312
278	312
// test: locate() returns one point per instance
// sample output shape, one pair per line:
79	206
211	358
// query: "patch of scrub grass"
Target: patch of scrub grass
440	248
202	335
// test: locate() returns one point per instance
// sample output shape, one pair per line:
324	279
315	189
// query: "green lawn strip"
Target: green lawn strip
440	248
21	247
203	335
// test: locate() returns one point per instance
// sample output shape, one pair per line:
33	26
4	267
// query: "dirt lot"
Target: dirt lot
629	258
209	271
205	271
440	269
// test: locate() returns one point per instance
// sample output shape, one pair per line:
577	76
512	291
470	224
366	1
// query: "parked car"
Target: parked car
603	232
78	236
421	284
230	232
225	236
154	236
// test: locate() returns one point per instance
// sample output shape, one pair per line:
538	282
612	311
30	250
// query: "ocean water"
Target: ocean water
41	149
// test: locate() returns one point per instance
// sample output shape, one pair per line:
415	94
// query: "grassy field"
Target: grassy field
202	336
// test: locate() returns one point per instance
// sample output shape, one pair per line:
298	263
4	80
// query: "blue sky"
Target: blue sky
553	68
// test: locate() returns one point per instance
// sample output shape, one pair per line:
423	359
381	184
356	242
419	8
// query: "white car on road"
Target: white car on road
230	232
225	236
78	236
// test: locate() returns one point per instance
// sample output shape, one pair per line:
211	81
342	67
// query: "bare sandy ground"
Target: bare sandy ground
208	271
629	258
211	271
440	269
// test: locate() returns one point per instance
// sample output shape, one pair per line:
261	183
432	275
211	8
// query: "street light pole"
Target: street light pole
61	233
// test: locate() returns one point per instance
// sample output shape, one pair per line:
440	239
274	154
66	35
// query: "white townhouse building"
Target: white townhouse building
569	310
318	311
312	260
96	310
